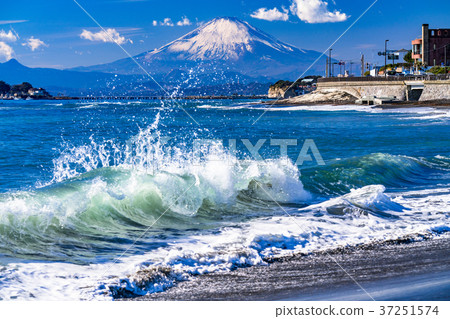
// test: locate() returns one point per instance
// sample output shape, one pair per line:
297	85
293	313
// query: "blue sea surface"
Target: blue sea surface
88	187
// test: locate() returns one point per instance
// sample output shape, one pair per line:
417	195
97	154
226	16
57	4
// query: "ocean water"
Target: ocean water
106	200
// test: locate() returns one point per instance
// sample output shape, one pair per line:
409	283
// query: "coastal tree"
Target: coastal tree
21	88
4	87
281	84
408	57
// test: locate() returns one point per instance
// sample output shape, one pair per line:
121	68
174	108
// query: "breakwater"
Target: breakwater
190	97
403	88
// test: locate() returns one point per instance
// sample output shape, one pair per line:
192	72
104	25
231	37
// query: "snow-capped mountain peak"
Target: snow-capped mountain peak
224	39
222	49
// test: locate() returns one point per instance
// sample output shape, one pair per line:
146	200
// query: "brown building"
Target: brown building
433	48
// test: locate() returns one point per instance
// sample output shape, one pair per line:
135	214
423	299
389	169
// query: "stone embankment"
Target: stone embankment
406	89
436	90
349	90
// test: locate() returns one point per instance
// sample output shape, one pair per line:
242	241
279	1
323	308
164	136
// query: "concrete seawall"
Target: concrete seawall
436	90
403	90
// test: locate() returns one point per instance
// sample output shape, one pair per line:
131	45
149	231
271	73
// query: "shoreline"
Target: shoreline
438	104
397	270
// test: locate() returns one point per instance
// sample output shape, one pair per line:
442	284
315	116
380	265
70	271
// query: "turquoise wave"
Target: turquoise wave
104	210
392	171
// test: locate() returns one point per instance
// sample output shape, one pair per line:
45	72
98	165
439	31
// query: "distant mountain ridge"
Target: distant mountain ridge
224	56
61	81
73	83
222	45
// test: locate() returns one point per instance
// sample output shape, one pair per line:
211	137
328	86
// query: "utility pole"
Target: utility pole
445	58
351	67
327	67
330	61
362	65
385	58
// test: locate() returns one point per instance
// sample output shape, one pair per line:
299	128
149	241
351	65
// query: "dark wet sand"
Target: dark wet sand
436	104
388	271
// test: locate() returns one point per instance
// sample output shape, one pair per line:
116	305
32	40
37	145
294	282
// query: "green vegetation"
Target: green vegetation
22	90
392	66
437	70
282	84
367	73
408	58
4	87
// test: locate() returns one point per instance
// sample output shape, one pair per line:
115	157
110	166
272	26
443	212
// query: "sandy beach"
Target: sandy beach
404	270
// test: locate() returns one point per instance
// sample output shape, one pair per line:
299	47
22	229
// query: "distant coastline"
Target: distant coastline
429	91
140	98
23	91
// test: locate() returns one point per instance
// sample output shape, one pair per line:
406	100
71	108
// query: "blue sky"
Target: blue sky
57	33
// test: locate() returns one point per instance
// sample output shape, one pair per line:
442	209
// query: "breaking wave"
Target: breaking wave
102	196
177	212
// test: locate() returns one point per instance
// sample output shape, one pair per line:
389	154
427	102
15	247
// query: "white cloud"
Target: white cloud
12	21
10	36
184	22
34	44
6	51
270	15
167	22
316	11
109	35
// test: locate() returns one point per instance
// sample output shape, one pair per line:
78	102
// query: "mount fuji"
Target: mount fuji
224	50
225	56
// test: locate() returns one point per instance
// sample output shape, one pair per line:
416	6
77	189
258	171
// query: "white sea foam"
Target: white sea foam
147	172
277	108
54	104
225	107
311	229
435	115
418	113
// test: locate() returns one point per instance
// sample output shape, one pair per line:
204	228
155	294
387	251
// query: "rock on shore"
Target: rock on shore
322	96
